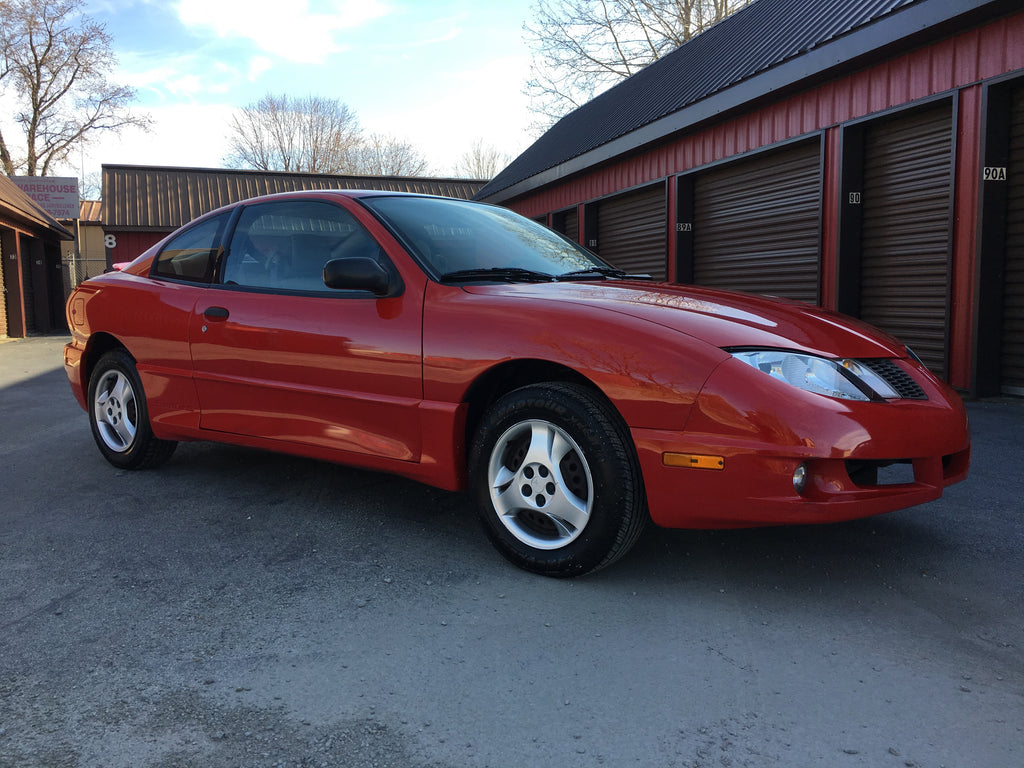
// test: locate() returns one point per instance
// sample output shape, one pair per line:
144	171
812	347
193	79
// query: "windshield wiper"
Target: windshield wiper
505	274
601	272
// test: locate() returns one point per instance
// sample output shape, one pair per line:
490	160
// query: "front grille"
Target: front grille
896	378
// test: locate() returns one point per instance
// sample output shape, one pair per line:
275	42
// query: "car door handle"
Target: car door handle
215	313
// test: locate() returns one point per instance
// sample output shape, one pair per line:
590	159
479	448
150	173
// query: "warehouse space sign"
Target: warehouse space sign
56	195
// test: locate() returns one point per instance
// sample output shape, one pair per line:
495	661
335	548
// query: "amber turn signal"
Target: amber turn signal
692	460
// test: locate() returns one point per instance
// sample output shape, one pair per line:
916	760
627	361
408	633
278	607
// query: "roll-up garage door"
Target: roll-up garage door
632	231
757	224
906	230
1013	274
568	223
3	296
29	295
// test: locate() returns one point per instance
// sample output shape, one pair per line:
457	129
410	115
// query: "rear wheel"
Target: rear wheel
558	486
119	417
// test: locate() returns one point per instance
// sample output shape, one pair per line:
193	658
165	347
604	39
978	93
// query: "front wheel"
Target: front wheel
557	481
119	417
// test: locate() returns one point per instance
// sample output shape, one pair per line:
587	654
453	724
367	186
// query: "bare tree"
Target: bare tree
300	135
55	60
581	47
90	186
381	155
481	161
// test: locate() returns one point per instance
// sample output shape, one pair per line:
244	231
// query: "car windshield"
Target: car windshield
462	241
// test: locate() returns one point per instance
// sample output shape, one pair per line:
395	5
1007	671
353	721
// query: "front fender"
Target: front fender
652	374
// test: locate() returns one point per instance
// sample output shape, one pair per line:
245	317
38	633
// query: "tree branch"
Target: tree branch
581	47
56	61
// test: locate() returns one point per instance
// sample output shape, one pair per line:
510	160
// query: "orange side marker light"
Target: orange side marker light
693	461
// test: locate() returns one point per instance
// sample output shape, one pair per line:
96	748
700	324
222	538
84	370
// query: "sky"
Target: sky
440	74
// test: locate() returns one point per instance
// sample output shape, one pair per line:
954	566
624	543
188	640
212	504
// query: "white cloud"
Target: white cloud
183	77
300	30
445	36
257	66
162	79
188	135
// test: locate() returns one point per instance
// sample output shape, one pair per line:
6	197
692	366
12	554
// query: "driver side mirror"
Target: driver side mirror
357	274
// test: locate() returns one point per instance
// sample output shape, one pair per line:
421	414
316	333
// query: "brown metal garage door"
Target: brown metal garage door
29	289
906	230
632	231
567	222
1013	274
757	224
3	296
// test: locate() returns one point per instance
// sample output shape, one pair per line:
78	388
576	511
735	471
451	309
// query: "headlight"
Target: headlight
876	383
844	379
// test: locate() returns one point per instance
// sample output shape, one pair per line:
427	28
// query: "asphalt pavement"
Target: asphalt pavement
238	608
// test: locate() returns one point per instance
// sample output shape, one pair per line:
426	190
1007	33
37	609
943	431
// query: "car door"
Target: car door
278	355
154	315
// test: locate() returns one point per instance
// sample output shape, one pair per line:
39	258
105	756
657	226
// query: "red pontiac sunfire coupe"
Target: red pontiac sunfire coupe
464	346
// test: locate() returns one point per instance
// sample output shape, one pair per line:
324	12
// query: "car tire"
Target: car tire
557	480
119	416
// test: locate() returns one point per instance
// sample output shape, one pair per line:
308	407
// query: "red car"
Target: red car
464	346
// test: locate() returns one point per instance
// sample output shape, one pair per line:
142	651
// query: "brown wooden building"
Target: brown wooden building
864	156
31	278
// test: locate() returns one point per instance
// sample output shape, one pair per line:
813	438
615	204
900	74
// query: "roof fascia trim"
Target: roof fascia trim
33	225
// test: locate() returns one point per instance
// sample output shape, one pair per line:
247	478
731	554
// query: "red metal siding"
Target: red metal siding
131	244
967	174
830	217
671	271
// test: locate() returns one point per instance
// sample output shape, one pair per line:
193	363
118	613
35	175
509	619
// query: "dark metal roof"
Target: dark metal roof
764	48
149	198
21	209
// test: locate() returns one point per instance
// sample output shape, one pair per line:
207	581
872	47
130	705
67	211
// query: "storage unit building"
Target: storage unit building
866	157
31	282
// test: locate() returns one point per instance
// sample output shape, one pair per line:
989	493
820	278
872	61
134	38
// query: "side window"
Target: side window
285	245
192	254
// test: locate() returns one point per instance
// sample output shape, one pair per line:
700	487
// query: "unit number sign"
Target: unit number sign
994	173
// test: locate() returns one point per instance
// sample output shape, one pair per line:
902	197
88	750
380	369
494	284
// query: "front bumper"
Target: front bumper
762	430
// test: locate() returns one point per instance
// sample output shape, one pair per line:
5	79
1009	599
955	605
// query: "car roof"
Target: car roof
321	194
349	193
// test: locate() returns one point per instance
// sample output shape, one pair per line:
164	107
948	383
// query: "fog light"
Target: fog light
800	478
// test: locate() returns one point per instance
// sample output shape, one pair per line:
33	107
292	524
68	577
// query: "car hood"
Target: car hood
721	318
